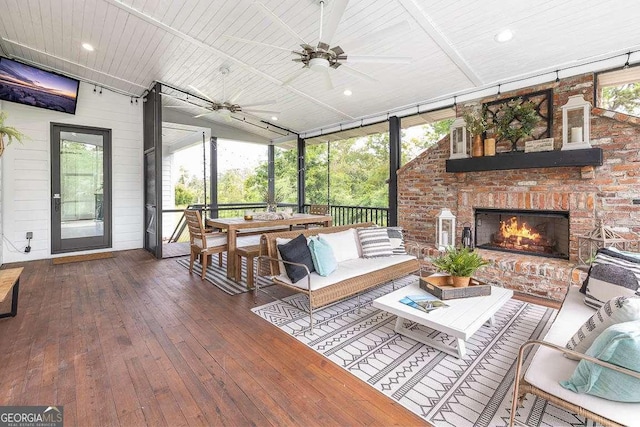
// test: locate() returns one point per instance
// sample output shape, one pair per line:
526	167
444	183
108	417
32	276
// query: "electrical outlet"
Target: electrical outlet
29	235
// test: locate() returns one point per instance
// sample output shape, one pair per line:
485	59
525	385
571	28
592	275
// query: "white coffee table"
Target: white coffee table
461	319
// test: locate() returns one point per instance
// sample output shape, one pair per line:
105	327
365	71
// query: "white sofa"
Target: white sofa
549	366
350	278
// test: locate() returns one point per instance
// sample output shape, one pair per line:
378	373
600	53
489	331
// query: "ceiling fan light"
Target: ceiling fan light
318	64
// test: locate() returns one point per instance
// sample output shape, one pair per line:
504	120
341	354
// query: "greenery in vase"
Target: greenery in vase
461	262
475	123
516	120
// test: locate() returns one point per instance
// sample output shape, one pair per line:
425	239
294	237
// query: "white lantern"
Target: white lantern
446	232
459	139
576	123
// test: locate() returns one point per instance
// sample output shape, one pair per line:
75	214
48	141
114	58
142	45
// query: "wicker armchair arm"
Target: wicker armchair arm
556	347
268	258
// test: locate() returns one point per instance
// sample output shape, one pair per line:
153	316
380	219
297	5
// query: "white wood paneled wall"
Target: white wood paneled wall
26	178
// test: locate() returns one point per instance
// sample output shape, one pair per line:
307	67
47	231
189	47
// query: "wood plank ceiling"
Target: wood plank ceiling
185	43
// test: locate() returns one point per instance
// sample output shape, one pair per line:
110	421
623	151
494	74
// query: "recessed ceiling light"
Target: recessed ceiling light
88	47
503	36
274	118
347	92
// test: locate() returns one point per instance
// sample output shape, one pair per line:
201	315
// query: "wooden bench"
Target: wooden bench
249	252
10	280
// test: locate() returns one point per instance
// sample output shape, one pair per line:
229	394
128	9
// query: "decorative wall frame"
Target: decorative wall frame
543	102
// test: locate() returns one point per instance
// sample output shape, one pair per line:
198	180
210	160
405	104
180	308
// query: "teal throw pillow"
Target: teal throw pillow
619	344
323	259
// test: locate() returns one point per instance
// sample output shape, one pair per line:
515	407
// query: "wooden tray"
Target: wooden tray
440	285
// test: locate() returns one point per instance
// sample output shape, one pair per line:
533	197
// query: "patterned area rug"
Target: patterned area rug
218	275
444	390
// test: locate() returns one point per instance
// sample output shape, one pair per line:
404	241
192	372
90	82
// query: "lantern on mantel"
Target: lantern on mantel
576	123
599	237
459	140
446	231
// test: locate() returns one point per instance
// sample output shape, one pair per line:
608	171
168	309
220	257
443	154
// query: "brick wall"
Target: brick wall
603	192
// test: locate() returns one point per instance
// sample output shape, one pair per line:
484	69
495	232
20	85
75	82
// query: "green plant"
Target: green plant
475	122
516	119
11	132
461	262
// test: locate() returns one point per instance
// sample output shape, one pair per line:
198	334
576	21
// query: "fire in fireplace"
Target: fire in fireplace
543	233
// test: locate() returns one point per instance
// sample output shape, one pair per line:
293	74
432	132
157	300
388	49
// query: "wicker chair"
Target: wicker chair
202	243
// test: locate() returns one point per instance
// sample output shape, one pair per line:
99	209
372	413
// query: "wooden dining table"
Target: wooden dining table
234	226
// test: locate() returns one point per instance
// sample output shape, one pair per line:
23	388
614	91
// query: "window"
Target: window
619	90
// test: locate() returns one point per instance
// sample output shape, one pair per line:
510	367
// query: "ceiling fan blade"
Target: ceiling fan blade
256	104
326	77
276	20
371	59
205	114
238	39
294	76
381	34
232	99
201	93
356	73
251	110
331	24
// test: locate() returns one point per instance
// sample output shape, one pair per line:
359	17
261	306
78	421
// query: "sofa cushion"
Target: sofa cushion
617	310
296	251
607	281
548	366
619	345
613	256
396	238
374	242
347	270
343	243
322	255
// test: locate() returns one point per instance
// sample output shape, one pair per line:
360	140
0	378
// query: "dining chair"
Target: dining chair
202	243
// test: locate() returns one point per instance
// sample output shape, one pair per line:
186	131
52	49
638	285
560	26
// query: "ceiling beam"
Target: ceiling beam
153	21
426	23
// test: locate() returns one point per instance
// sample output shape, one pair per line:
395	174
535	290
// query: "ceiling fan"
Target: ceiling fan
322	56
226	107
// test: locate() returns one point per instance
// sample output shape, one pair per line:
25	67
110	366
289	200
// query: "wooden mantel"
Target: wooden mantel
520	160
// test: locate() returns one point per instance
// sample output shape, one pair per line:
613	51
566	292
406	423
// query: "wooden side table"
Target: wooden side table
10	280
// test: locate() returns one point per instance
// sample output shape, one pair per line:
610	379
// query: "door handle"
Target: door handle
56	202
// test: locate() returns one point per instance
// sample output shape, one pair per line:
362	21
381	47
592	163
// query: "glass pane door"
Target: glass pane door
81	191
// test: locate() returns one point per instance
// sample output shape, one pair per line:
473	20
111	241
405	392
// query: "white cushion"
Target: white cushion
347	270
343	243
548	367
212	241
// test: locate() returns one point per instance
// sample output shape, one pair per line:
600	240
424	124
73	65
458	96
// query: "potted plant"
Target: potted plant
460	263
516	119
11	132
476	124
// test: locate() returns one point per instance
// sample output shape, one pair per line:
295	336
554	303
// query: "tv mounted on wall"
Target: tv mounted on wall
33	86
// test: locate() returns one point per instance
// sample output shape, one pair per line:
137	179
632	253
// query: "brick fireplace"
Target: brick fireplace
585	194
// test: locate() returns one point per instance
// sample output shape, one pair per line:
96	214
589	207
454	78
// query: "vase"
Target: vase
490	147
460	281
476	147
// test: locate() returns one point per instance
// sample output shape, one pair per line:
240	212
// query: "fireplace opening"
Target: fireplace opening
534	232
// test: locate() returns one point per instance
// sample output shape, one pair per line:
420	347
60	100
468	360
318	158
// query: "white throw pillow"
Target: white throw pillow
616	310
343	243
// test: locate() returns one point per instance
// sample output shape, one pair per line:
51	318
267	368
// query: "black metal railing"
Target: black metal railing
342	215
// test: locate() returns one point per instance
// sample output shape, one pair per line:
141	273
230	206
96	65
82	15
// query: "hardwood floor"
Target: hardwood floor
133	341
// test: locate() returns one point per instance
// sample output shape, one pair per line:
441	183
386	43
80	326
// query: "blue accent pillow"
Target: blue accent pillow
323	259
296	251
619	344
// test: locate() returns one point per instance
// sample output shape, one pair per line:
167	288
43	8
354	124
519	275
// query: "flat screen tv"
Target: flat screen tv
29	85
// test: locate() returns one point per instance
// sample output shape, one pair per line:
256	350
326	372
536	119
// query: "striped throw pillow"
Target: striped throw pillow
612	274
396	237
374	242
